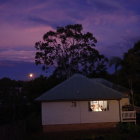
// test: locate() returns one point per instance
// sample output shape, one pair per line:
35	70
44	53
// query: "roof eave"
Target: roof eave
65	100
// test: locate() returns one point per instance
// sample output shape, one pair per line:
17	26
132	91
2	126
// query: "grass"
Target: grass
121	133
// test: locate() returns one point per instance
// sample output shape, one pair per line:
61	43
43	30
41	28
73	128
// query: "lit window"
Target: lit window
98	106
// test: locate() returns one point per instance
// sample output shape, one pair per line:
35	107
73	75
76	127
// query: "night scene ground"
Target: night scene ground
43	43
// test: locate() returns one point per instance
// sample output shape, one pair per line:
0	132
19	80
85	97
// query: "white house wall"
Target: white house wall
60	113
66	113
112	115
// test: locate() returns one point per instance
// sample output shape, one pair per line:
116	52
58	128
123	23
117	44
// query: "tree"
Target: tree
131	66
116	61
34	88
70	51
129	73
131	61
131	69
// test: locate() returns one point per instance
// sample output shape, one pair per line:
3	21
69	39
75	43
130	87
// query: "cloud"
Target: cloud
53	24
106	6
17	55
20	36
115	24
112	29
23	23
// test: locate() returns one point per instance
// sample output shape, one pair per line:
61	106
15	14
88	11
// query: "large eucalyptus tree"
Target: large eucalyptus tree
69	50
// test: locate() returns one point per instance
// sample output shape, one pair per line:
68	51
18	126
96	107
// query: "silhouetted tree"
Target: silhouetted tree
70	51
129	73
131	62
11	100
116	61
34	88
131	67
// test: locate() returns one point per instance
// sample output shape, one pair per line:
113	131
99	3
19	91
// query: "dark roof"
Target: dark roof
111	85
79	87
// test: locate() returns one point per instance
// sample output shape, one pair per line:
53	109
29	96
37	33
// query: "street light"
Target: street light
31	75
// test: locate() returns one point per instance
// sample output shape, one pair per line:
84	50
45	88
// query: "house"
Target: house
109	84
80	103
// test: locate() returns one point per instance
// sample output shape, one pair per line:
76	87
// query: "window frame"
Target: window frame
104	110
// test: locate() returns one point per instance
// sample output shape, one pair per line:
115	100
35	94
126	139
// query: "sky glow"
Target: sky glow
115	24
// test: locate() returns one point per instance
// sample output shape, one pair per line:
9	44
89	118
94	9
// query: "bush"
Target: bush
129	128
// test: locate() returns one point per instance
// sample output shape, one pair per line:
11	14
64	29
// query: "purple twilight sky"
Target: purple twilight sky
115	24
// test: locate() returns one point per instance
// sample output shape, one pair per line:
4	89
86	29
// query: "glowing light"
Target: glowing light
31	75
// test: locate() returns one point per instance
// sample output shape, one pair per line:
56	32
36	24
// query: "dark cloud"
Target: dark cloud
26	55
131	5
119	47
105	6
41	21
3	1
19	48
54	24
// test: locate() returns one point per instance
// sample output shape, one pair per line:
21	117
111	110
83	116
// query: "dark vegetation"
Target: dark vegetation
19	112
69	50
128	74
123	131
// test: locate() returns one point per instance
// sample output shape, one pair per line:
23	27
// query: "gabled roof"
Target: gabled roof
79	87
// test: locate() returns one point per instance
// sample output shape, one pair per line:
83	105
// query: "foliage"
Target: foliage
34	88
137	99
132	60
17	99
117	61
125	127
22	115
129	73
70	51
11	103
90	135
131	67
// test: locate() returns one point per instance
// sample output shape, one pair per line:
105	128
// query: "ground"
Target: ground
122	132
